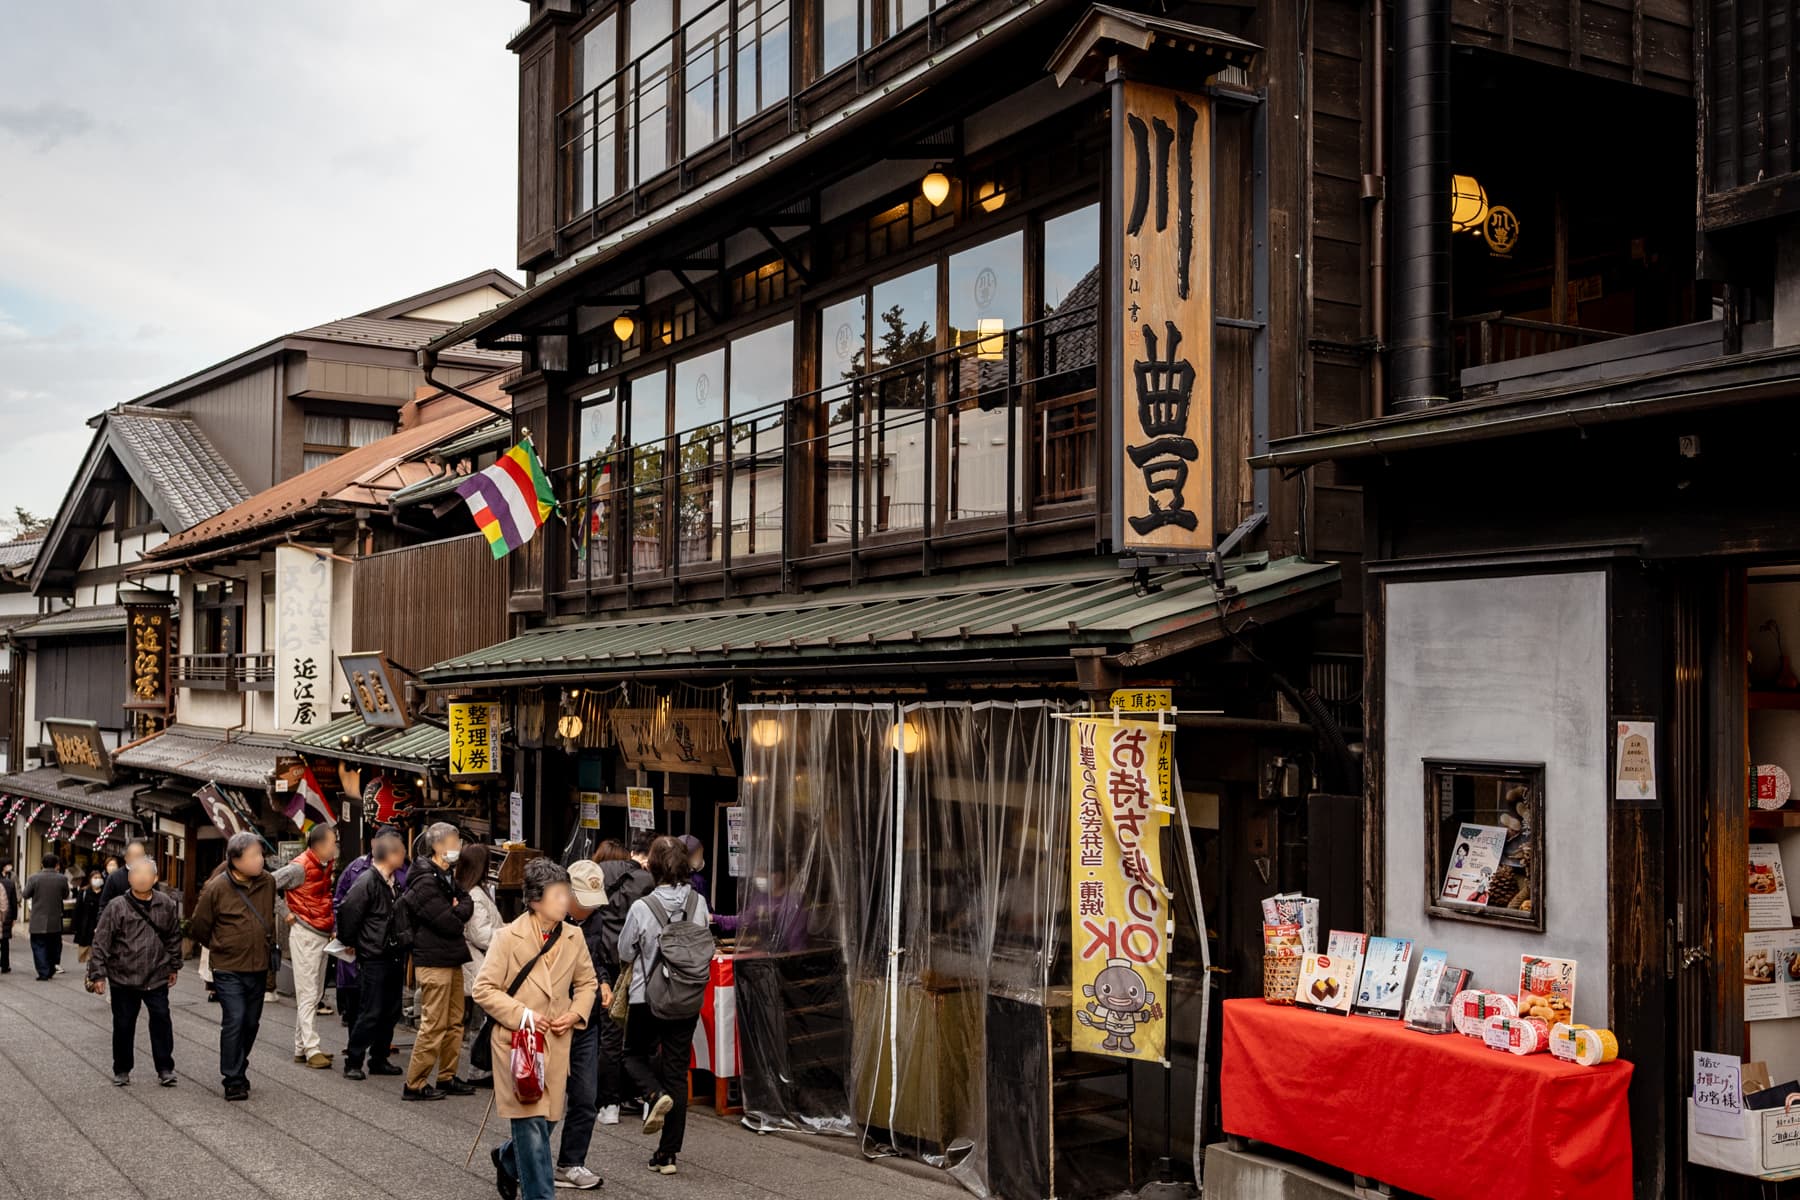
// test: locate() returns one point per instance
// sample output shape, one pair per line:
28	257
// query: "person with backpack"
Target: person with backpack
433	911
669	945
365	923
137	951
235	920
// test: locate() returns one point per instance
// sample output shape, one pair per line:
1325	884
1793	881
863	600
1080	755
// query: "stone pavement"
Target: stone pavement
65	1130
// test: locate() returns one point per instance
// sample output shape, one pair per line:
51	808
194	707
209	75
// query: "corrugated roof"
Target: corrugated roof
1015	614
191	479
245	761
417	749
98	618
367	475
66	791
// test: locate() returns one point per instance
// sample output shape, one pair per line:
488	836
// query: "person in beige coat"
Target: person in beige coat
559	994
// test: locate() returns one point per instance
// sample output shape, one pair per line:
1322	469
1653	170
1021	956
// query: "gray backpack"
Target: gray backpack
679	973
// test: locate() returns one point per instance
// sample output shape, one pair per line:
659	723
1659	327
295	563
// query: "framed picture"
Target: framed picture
1484	842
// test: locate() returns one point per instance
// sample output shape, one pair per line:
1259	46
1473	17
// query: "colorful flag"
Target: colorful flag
510	500
312	797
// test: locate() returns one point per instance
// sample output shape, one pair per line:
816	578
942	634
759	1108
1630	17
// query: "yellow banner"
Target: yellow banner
474	739
1118	901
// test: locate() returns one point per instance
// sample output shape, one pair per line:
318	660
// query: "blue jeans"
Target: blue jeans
584	1080
46	953
240	1016
526	1156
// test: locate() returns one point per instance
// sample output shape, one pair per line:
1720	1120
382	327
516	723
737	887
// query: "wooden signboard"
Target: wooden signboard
1162	372
688	741
80	750
147	640
375	690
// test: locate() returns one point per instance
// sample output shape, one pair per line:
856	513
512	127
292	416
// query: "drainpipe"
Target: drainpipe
1421	321
428	363
1375	191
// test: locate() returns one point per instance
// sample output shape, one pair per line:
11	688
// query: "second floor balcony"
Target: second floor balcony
225	672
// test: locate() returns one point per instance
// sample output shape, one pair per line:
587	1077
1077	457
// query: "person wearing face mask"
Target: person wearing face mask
435	910
696	856
87	914
306	883
9	912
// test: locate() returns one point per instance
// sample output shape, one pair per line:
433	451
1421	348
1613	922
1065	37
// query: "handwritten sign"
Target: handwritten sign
641	803
1163	322
302	638
1718	1095
1634	771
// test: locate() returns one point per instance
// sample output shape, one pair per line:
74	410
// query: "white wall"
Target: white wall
1507	669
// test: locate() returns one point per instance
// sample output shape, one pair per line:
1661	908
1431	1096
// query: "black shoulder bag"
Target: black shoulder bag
481	1054
274	946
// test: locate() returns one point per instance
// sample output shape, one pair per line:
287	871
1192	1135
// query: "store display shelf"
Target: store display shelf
1775	700
1780	818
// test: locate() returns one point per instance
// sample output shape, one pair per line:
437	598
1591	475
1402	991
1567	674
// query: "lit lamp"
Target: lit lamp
1468	204
904	737
991	196
935	186
624	327
766	732
568	726
990	342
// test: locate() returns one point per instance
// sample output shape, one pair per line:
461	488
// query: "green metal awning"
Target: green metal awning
417	749
1021	614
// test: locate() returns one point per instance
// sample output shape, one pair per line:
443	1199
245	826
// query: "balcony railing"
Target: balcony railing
1494	337
997	436
226	672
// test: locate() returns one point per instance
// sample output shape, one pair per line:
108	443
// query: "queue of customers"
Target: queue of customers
607	962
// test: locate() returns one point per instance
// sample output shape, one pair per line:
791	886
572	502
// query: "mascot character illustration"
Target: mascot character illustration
1118	1002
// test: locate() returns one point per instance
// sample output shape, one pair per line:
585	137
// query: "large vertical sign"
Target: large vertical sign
474	739
1118	903
302	638
1162	371
147	640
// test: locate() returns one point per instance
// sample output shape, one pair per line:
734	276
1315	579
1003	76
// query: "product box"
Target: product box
1327	983
1547	988
1381	992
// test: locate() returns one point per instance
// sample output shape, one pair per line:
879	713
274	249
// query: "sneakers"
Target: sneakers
662	1164
383	1067
455	1087
324	1010
318	1061
504	1183
653	1118
352	1071
425	1093
238	1091
166	1079
576	1177
121	1080
609	1114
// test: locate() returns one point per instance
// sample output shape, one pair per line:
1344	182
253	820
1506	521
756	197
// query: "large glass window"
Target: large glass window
706	78
599	475
649	24
1067	411
762	379
763	62
596	115
843	341
649	448
897	440
700	443
987	306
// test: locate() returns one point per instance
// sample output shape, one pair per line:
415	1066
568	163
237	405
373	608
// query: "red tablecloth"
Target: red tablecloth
1442	1116
715	1035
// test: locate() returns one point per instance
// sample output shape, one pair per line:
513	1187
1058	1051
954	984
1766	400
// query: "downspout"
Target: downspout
428	362
1375	191
1421	357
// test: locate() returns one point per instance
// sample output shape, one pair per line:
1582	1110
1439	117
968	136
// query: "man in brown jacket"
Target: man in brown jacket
235	920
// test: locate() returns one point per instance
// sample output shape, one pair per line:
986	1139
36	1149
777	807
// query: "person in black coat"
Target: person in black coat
367	923
87	911
435	911
118	882
9	902
627	878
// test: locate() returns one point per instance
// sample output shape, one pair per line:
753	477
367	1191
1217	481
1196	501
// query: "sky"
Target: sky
183	180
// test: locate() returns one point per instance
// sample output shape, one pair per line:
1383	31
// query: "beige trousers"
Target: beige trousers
439	1043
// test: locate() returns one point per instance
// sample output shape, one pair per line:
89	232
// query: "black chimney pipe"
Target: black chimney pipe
1420	360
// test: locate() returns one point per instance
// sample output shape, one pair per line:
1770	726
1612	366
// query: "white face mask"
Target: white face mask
96	883
451	856
762	883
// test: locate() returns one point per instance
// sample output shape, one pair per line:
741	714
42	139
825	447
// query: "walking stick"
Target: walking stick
478	1133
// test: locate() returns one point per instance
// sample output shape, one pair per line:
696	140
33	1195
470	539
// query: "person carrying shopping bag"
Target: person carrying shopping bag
538	974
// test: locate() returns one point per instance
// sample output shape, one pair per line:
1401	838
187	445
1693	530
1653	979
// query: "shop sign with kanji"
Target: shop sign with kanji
147	639
1118	901
474	739
1162	378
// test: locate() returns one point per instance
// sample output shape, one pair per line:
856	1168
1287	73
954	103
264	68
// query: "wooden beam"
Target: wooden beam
788	255
700	298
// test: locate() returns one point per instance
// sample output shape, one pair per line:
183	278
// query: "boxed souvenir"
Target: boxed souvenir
1547	988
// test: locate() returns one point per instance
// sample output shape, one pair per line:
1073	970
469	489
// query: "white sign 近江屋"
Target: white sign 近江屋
303	674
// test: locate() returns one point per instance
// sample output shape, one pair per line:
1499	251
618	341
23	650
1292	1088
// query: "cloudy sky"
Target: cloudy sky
183	180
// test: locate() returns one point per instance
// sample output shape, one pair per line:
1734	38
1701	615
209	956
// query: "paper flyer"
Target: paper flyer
1767	884
1473	860
1382	990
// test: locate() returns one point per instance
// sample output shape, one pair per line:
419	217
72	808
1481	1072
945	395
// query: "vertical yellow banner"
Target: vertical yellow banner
1118	903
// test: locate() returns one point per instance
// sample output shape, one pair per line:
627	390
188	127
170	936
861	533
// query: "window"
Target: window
600	473
762	62
328	437
1067	406
1485	857
762	379
648	84
219	613
706	78
847	28
700	467
987	299
596	161
649	401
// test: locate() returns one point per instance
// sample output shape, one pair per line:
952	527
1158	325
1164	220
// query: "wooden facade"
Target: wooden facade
424	603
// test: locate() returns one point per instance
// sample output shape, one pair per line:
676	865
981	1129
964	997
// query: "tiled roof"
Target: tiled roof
192	480
400	333
19	553
205	754
418	748
97	618
66	791
1017	613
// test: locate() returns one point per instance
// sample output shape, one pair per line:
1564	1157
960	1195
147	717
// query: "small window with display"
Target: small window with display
1484	854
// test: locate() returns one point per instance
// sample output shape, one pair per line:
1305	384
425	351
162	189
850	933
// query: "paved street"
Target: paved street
313	1135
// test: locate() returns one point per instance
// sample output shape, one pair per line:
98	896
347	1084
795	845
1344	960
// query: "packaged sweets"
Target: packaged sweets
1516	1035
1595	1046
1562	1040
1472	1009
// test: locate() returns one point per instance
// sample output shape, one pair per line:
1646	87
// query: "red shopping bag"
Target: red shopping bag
528	1061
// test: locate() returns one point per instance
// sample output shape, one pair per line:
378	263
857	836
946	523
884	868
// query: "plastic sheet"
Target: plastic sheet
902	969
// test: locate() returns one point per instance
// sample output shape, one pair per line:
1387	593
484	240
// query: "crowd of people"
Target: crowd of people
606	963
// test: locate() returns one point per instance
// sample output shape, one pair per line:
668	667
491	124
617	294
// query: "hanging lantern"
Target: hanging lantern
991	196
1468	204
568	726
935	186
904	737
624	327
766	732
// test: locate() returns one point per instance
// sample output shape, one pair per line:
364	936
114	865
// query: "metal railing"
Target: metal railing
226	672
1494	337
910	453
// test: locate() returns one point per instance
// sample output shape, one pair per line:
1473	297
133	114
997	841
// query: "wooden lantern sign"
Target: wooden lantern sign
1159	268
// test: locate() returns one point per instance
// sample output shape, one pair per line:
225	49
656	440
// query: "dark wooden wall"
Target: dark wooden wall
1647	42
82	678
423	604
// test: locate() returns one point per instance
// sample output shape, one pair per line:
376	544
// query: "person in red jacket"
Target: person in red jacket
306	883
